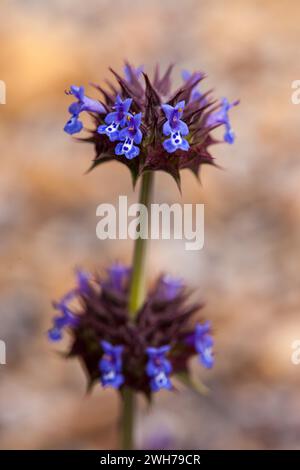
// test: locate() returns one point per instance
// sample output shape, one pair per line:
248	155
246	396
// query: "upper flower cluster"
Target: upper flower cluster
143	355
145	126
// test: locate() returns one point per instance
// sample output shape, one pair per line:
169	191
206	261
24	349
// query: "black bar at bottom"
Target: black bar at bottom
204	458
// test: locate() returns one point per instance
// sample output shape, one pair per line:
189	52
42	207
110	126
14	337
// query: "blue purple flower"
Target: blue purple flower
169	287
116	119
175	127
195	93
67	319
110	365
129	136
83	279
221	117
159	368
73	125
118	275
83	103
203	343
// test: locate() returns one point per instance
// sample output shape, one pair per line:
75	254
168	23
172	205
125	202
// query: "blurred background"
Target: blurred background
248	271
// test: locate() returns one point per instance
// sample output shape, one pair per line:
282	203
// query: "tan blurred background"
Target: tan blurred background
248	272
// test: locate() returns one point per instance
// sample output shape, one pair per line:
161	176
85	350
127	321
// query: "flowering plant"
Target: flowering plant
125	339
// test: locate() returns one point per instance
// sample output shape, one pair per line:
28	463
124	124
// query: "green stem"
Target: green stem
127	419
136	298
137	292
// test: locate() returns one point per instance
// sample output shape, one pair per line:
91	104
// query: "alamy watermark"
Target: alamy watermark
295	96
180	222
2	352
295	356
2	343
2	92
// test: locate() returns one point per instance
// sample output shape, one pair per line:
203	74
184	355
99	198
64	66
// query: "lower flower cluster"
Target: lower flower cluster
116	350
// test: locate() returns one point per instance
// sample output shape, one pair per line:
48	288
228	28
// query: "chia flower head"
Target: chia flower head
135	116
144	354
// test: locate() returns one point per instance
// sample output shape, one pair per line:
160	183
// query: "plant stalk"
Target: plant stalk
136	298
